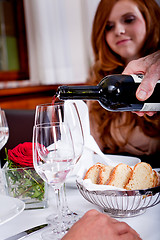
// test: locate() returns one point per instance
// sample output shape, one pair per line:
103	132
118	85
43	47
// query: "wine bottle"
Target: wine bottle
114	93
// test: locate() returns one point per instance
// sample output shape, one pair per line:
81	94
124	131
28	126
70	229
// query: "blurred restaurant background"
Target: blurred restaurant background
43	44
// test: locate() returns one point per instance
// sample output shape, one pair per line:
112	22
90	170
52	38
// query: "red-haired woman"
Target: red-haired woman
123	30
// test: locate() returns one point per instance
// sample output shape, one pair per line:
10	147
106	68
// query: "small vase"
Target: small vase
25	184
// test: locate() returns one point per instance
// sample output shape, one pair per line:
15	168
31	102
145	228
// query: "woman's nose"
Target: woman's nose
119	29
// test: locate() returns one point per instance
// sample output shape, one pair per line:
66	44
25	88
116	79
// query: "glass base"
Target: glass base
68	219
52	234
72	217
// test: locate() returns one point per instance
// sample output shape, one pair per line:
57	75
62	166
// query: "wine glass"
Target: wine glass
53	156
4	130
64	112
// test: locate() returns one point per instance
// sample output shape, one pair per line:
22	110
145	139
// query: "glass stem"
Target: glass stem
65	208
59	209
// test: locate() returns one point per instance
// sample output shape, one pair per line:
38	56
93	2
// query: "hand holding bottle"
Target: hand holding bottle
115	93
149	66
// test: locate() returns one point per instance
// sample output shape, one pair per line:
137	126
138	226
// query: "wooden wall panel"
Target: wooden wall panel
26	97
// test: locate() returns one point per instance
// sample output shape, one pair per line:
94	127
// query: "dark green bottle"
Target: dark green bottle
114	93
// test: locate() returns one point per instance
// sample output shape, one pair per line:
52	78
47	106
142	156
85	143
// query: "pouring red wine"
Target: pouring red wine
115	93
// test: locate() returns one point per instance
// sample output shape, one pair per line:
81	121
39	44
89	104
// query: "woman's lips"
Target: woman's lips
122	41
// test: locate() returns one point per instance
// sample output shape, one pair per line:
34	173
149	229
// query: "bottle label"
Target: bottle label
137	78
151	107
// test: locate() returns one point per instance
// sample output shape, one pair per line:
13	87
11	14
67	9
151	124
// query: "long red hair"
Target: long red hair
107	62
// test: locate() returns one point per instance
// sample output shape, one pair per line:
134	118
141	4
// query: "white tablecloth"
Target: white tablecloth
146	224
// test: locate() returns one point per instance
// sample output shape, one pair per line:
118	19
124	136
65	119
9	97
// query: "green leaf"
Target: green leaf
23	182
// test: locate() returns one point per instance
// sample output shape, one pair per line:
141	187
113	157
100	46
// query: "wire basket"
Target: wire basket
122	203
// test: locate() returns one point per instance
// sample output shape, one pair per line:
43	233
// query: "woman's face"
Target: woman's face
126	30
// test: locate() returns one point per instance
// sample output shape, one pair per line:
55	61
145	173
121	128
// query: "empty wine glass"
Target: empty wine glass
4	130
53	156
64	112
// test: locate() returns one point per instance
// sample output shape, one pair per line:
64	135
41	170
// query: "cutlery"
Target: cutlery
25	233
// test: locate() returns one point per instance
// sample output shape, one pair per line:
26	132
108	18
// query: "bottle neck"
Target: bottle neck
79	92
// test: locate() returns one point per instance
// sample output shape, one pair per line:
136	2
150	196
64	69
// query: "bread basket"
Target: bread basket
122	203
113	201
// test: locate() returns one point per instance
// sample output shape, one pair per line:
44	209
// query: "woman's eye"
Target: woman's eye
109	27
129	20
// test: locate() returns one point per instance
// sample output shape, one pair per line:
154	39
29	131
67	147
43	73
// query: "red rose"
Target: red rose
22	154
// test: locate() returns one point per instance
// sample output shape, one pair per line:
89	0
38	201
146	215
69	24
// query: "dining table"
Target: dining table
146	224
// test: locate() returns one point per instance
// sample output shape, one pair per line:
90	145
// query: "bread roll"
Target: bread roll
142	177
120	175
